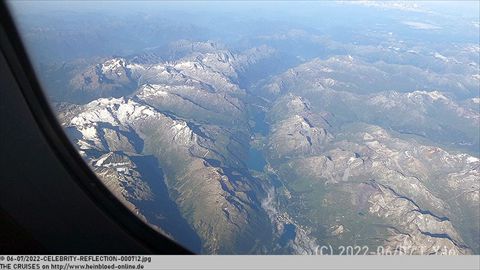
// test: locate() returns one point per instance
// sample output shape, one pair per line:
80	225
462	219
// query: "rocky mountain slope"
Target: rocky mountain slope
189	118
368	169
331	152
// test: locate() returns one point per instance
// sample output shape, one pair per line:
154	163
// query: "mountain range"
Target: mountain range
335	151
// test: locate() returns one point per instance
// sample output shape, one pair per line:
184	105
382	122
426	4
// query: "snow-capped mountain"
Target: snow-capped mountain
337	155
